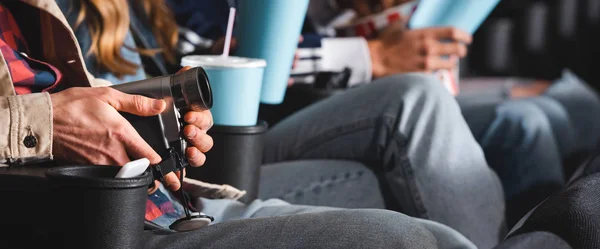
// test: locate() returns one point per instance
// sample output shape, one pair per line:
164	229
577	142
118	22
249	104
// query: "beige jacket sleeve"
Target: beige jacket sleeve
21	118
28	115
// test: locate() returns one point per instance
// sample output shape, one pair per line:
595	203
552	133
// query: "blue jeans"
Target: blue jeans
526	140
406	129
518	142
580	105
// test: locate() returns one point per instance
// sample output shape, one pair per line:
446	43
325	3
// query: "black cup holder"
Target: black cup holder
92	209
96	177
235	158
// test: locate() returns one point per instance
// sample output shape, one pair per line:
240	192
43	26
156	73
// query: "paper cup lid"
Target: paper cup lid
217	61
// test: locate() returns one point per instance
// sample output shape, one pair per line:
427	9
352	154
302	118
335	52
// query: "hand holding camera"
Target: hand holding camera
89	129
96	133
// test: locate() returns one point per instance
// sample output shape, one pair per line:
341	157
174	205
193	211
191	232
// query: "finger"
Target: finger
362	8
184	69
446	33
154	187
198	138
296	58
301	39
434	63
135	145
178	173
171	181
134	104
195	157
438	48
290	82
394	32
455	48
202	120
386	4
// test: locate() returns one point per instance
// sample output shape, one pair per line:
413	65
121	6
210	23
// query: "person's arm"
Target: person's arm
23	118
335	54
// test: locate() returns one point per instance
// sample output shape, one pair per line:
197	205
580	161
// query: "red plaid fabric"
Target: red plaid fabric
28	75
158	205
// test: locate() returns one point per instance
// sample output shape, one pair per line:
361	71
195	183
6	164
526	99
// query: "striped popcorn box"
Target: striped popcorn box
371	25
450	79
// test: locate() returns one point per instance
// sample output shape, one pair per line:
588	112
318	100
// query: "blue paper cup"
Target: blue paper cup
269	30
466	15
236	85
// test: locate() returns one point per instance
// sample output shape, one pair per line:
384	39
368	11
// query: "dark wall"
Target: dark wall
537	39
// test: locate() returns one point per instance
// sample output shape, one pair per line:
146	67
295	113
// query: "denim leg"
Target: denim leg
344	184
410	131
519	145
524	141
563	129
582	104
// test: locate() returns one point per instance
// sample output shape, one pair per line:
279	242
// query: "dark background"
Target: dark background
538	39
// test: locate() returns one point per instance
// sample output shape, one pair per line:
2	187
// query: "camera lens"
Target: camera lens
191	89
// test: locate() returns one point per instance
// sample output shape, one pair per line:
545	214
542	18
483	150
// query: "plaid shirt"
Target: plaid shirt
28	75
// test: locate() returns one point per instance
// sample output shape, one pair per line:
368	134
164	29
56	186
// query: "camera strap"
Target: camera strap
172	162
192	221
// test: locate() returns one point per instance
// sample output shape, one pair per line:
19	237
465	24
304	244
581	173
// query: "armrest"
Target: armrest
25	207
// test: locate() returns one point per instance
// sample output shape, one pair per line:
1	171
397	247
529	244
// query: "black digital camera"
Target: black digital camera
183	92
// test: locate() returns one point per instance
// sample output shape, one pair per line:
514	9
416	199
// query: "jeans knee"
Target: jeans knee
523	122
560	122
414	87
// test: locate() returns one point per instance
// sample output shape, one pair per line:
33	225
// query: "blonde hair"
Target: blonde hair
108	22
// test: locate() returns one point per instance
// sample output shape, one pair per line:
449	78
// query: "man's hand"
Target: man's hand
400	51
195	133
89	129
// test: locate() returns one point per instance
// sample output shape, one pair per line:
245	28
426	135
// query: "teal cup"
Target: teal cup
269	30
466	15
236	85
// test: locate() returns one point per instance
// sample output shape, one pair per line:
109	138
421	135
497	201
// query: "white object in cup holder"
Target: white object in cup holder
133	168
